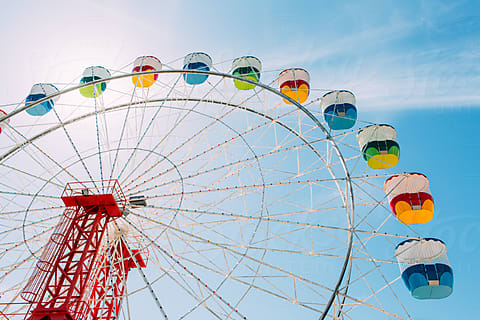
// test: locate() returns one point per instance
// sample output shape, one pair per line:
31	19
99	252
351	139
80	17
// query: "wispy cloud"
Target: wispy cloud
422	54
427	59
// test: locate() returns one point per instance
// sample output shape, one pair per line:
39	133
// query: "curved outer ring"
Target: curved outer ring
350	198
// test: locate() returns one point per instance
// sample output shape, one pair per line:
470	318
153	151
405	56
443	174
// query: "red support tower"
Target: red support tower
57	289
108	286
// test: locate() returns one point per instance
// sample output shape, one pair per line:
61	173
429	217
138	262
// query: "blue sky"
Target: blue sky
418	54
413	64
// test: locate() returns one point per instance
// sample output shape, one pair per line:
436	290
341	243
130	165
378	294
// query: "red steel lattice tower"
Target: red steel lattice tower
60	287
108	283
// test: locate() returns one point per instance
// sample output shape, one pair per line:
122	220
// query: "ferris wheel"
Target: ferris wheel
208	191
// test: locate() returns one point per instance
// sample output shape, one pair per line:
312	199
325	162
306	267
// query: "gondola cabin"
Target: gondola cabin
142	64
339	109
295	84
247	67
40	91
410	198
379	146
92	74
196	61
425	269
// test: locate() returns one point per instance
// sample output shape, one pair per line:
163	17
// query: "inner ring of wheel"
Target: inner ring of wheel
161	156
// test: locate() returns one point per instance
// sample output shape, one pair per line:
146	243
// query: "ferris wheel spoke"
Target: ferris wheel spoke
122	132
97	130
380	204
72	143
30	195
19	308
357	162
228	273
253	218
178	121
253	187
360	250
234	252
141	272
189	244
213	148
355	303
12	215
142	136
39	222
366	182
366	178
244	162
271	219
214	89
372	291
22	172
386	282
370	270
41	165
340	135
207	228
48	157
379	306
199	172
167	86
304	250
191	292
181	265
17	265
204	152
274	291
282	237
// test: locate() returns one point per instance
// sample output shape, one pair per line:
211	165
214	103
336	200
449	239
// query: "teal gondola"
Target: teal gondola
426	271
